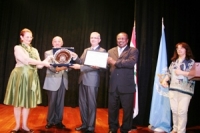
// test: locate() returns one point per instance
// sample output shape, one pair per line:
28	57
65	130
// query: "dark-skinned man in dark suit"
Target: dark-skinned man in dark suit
121	60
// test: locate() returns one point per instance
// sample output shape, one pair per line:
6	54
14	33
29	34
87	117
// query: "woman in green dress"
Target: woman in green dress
23	88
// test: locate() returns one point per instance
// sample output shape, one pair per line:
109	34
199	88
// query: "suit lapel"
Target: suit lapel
124	51
97	49
115	52
51	52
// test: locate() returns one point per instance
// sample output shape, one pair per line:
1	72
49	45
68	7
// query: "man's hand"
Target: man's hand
74	55
58	69
76	66
95	67
111	61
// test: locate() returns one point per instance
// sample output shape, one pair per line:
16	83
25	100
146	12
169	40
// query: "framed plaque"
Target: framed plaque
96	58
194	73
62	56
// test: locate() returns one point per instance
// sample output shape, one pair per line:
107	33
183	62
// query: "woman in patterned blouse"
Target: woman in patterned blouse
181	88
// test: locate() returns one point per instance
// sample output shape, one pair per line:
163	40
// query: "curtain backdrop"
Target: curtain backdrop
74	20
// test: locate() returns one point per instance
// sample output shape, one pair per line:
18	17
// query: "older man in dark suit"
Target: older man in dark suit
122	86
88	86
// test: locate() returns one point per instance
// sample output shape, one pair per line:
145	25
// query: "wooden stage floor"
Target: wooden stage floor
71	119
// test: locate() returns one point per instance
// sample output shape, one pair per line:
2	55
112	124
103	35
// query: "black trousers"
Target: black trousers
126	100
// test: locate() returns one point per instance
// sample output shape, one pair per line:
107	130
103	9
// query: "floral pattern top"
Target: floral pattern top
181	83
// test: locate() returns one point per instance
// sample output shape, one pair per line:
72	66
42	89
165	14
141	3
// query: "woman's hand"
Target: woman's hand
46	63
164	84
178	72
50	57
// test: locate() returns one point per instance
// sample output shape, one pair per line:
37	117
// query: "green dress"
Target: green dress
23	88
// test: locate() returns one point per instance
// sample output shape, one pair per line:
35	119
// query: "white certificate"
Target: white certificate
96	58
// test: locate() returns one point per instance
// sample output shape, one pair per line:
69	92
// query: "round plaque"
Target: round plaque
62	56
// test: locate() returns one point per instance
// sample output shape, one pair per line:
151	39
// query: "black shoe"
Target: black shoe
134	127
25	131
49	126
60	125
88	131
111	131
81	128
15	131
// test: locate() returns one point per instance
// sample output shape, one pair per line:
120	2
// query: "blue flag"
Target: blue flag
160	114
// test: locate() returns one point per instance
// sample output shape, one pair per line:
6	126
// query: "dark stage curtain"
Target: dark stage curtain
181	24
74	20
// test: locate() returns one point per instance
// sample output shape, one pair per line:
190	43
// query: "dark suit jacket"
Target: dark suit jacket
89	76
122	73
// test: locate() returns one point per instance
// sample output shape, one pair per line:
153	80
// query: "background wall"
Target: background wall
74	20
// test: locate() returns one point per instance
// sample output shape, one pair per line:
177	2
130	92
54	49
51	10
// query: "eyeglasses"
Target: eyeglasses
94	37
28	37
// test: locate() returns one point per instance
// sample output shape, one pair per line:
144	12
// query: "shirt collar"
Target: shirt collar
122	48
94	48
